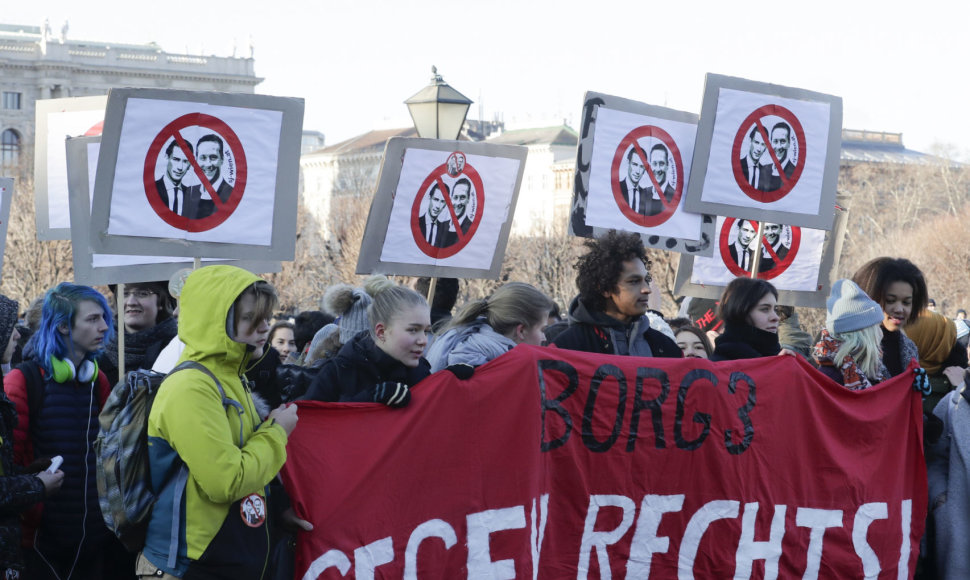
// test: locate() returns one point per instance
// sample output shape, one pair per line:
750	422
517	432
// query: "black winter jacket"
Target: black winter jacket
353	375
587	332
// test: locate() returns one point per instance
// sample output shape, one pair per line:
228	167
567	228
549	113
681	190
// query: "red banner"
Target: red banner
552	464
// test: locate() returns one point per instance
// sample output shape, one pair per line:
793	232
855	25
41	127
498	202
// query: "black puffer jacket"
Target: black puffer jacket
275	383
353	375
17	491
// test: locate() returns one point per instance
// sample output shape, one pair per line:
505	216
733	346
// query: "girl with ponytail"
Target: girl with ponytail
485	329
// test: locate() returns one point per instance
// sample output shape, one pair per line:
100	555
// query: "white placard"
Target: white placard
738	114
250	141
606	205
790	261
421	170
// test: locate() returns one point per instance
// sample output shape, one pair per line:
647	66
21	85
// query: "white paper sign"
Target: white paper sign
233	153
661	158
449	208
786	143
790	256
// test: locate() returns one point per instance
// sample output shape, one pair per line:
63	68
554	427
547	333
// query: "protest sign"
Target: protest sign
555	464
198	174
801	263
766	152
628	152
55	120
94	269
6	194
442	208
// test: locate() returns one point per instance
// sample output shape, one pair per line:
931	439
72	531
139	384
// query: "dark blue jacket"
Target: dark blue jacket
65	425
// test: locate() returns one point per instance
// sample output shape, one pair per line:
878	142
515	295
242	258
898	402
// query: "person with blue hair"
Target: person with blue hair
58	394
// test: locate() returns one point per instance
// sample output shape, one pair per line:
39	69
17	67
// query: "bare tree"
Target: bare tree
31	267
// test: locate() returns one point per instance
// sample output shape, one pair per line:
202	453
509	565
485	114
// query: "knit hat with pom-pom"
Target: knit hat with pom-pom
349	304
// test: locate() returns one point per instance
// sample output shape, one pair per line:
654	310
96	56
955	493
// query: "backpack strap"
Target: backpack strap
182	477
226	401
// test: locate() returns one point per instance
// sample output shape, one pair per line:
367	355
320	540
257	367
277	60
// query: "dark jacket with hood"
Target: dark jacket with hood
592	331
353	375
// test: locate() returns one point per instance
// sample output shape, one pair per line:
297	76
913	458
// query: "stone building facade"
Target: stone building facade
34	65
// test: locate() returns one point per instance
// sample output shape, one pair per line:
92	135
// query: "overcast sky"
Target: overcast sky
899	67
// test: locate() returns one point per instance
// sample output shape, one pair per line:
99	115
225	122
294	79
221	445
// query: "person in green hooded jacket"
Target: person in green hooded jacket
212	457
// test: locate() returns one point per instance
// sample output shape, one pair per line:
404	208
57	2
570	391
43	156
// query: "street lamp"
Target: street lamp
438	111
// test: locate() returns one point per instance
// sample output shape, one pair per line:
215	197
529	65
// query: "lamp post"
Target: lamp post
438	111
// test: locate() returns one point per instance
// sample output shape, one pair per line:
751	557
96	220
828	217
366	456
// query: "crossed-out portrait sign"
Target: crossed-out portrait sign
647	170
448	208
210	175
195	187
632	168
442	208
790	255
779	247
766	152
769	153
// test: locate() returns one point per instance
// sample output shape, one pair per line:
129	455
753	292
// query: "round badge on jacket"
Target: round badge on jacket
252	509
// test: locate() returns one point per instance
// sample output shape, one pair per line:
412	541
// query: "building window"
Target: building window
11	100
9	148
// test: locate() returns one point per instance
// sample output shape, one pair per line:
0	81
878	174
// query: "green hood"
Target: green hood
206	298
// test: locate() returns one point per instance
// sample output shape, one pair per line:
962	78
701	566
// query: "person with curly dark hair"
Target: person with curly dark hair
609	315
899	286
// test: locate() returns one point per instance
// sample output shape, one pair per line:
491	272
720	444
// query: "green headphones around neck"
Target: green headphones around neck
64	370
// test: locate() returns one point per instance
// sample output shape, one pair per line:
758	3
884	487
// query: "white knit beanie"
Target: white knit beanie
849	308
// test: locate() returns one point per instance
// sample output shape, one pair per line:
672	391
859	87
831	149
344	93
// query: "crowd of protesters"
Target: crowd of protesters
224	428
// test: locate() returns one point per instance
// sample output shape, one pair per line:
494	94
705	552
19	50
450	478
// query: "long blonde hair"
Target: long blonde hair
864	347
513	304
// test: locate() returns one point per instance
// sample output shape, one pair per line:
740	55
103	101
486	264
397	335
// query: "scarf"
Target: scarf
745	341
853	378
631	340
934	335
137	343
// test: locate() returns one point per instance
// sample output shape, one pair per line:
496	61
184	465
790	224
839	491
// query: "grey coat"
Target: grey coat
948	469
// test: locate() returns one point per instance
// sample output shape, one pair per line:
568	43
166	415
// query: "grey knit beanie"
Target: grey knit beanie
9	310
849	308
349	304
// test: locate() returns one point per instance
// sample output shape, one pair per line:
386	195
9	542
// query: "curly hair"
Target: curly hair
598	271
876	276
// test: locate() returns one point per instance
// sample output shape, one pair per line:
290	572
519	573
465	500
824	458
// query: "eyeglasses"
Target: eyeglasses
139	293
